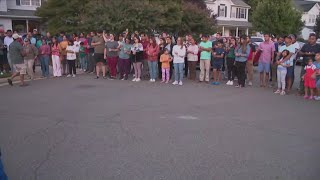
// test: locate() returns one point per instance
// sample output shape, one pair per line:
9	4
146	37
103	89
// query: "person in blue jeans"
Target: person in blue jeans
178	52
3	175
45	52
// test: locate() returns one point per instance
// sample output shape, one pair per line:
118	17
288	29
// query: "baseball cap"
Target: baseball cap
15	36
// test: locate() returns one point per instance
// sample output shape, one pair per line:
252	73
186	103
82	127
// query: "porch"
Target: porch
233	28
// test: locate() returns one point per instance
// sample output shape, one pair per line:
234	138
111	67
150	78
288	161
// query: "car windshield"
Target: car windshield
256	40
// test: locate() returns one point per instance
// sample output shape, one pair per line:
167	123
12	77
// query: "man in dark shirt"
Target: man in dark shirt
308	51
218	56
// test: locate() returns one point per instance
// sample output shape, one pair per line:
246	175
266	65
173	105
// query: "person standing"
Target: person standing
31	55
99	44
242	53
137	58
308	51
231	61
83	57
282	72
205	58
192	56
63	54
187	43
165	59
71	58
145	66
152	52
55	52
249	64
169	46
7	41
111	54
162	47
45	53
16	54
267	54
90	49
274	65
218	55
179	52
124	59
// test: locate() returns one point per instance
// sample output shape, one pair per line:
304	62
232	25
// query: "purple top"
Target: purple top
45	50
268	49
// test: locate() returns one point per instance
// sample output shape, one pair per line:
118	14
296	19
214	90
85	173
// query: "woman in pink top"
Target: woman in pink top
45	53
56	63
192	56
152	52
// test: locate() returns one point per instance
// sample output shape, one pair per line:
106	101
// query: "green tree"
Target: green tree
316	28
177	16
277	17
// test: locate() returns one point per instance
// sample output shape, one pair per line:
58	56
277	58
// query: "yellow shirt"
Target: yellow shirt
63	48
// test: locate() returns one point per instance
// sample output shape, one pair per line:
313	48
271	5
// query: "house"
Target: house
18	15
310	10
232	16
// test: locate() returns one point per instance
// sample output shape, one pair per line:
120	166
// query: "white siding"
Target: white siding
305	32
6	23
313	12
3	5
12	5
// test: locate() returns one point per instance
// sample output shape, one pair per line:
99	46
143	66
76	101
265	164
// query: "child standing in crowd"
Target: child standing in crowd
317	64
192	56
152	52
45	53
309	79
77	43
83	57
231	60
179	52
165	60
55	51
71	58
137	58
218	55
162	47
282	73
124	59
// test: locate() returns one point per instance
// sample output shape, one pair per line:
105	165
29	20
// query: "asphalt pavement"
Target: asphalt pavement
81	128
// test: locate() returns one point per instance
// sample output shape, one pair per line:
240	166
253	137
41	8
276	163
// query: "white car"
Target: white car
257	40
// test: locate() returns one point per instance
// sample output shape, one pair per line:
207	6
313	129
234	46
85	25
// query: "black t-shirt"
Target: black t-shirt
310	48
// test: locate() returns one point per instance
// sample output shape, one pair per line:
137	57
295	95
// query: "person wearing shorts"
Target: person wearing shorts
16	55
267	49
98	43
218	56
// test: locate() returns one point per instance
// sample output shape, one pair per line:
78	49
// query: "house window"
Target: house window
312	18
222	10
241	13
30	2
234	13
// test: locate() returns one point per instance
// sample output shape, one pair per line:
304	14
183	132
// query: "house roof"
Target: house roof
231	23
235	2
304	6
16	13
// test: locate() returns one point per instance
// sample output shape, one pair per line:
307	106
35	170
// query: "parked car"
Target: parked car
257	40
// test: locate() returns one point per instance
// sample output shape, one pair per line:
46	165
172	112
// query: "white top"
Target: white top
71	56
77	45
297	48
7	41
178	54
193	56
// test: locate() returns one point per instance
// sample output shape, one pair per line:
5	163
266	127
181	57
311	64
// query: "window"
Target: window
30	2
312	18
222	10
239	13
234	13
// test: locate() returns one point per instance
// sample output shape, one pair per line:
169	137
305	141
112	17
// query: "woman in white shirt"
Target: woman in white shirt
71	59
192	54
179	53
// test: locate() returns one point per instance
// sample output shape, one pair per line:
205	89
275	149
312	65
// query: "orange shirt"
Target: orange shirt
63	46
165	59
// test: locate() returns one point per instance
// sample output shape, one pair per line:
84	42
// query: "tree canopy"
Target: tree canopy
276	17
176	16
316	28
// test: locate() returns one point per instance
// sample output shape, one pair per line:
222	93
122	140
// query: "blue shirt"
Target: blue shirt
244	56
219	51
124	47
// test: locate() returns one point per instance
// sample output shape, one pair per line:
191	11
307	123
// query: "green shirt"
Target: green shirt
231	53
205	55
15	53
82	51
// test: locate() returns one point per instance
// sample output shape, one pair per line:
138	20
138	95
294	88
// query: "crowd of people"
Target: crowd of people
156	57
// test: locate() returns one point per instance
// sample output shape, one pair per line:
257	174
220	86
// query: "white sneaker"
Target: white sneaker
151	80
228	83
231	83
69	75
175	83
74	75
283	93
138	80
317	98
250	84
180	83
277	92
134	79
